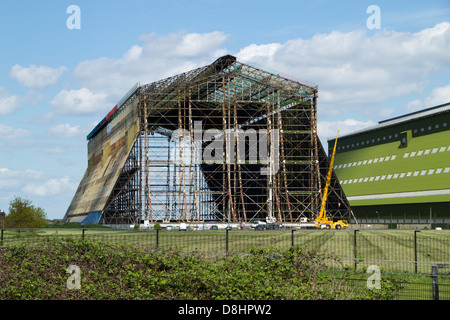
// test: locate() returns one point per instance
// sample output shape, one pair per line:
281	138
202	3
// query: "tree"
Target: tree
22	214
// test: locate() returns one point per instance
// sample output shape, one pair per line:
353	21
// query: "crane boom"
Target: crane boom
322	220
325	191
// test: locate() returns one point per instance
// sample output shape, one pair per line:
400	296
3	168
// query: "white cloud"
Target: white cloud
36	76
8	103
55	150
155	59
65	130
328	129
79	102
23	174
50	187
438	96
384	113
7	132
195	45
355	70
42	118
10	179
29	182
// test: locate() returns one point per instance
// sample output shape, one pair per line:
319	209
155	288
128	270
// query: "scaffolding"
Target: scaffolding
226	142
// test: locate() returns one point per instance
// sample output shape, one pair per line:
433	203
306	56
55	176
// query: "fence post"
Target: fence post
354	247
226	241
1	240
415	250
434	276
82	234
157	238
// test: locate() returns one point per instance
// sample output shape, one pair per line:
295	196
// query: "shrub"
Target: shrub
110	271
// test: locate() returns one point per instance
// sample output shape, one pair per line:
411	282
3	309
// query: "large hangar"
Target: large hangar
398	170
227	141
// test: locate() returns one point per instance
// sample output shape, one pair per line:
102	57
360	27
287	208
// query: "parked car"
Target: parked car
260	227
257	222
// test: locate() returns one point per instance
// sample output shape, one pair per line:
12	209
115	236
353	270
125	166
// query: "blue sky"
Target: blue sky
57	83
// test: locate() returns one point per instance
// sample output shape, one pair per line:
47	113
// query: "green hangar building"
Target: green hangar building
398	171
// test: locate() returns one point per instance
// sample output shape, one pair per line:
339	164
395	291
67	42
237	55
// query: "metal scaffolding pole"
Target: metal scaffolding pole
157	174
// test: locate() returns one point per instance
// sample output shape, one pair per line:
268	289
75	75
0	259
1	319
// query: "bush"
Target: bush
121	272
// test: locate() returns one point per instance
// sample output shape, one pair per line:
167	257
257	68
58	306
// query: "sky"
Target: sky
62	70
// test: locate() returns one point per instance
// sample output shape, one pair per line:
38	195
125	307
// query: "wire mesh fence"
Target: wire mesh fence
393	251
407	291
404	251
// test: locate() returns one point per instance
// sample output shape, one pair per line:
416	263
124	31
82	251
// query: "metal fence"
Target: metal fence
411	251
405	251
435	222
411	291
